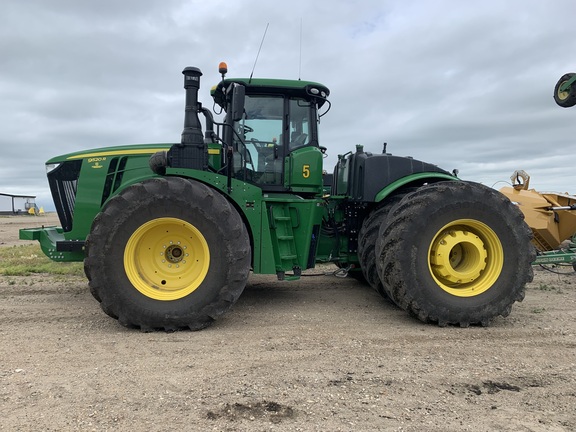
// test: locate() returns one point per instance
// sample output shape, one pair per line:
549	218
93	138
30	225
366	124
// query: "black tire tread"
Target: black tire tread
397	258
367	238
141	197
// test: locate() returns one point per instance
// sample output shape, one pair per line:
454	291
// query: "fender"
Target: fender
419	179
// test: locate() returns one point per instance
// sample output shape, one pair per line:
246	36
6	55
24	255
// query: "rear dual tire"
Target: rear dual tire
367	238
455	253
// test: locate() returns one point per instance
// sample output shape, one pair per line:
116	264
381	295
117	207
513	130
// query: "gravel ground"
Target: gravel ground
319	354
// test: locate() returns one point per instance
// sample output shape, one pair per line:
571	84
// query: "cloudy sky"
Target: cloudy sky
464	85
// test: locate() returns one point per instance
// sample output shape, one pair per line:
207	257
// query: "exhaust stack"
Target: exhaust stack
192	133
191	152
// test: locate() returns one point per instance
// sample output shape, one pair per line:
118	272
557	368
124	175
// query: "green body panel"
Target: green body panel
304	168
411	179
293	222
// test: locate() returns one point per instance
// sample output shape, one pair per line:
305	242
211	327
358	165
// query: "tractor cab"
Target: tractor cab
272	134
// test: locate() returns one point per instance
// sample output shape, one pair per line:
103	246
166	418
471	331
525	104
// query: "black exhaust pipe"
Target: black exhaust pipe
191	152
192	133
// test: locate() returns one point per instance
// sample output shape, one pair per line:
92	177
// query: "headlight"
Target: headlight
51	167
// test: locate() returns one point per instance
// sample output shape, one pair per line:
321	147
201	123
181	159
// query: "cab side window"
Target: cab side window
299	124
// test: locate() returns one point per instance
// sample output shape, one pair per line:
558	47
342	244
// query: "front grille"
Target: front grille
63	183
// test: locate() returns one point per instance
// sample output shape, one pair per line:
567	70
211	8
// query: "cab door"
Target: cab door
276	144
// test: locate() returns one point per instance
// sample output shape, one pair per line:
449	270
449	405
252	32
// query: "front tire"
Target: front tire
455	253
167	253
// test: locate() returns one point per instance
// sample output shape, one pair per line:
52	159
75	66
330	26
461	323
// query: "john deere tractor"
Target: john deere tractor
169	233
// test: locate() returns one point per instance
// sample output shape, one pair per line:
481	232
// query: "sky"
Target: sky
465	85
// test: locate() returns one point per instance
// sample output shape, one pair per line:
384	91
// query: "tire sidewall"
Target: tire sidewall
199	297
412	285
212	296
429	288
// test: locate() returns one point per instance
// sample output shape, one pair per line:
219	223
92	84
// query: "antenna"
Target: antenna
300	59
261	43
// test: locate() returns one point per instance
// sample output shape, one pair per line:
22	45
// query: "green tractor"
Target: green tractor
170	232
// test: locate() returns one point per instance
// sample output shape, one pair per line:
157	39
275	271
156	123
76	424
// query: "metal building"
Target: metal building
17	204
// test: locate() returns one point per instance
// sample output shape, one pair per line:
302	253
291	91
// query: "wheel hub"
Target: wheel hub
175	253
465	258
563	95
458	256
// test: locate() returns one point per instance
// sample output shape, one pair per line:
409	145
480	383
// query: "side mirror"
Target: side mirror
237	93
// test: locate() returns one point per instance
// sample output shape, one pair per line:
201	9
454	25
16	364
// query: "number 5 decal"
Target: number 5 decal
305	171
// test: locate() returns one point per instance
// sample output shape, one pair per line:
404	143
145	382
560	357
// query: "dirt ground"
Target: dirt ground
319	354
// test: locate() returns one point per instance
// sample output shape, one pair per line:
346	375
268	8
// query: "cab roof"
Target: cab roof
298	88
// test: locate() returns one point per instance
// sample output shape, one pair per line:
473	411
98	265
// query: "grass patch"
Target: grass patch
551	288
25	260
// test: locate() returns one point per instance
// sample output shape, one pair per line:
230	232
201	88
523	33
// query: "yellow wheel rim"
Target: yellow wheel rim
166	258
562	95
465	258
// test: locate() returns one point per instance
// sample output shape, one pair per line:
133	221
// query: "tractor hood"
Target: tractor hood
103	152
